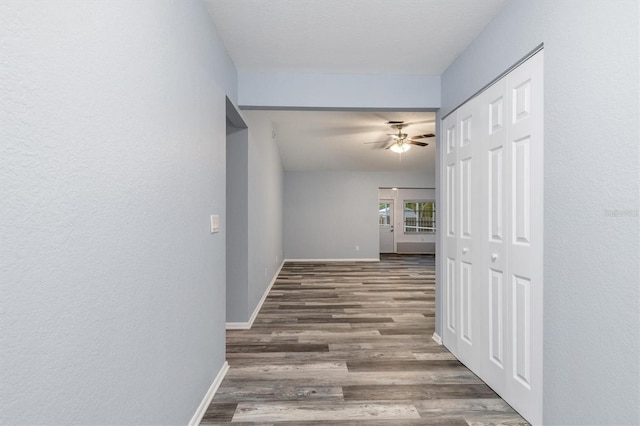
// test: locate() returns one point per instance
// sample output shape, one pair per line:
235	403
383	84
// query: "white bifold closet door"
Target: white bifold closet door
492	178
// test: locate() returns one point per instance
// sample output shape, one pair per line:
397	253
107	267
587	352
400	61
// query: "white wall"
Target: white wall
265	207
328	214
399	196
591	200
112	158
300	90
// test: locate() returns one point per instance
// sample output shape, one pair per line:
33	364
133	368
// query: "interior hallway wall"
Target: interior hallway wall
328	214
265	207
591	193
112	158
237	219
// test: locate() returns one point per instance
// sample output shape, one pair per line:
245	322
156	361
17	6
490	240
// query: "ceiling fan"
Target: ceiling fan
401	142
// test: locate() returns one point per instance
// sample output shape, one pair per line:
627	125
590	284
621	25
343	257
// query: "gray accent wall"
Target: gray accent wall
591	194
328	214
112	158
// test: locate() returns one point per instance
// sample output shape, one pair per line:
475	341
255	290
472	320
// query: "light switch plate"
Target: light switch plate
215	223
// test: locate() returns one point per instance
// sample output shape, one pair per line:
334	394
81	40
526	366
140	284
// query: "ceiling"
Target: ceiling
337	140
349	37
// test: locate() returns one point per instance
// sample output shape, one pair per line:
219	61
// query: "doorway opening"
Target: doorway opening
385	220
237	202
407	220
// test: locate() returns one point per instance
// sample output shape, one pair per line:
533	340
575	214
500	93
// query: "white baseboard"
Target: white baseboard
436	338
238	325
202	408
334	260
247	325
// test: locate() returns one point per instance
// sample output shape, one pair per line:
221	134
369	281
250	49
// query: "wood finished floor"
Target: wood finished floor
350	343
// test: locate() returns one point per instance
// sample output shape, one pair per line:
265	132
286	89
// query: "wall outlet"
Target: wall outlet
357	248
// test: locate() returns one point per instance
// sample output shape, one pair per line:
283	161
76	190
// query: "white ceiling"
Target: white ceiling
336	140
349	37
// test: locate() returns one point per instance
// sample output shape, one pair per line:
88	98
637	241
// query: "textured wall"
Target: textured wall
591	201
326	214
112	153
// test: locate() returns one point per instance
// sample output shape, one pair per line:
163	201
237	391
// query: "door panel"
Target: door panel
496	201
451	297
450	219
521	326
521	103
494	238
496	319
466	311
496	110
525	101
468	255
450	225
521	187
465	130
465	197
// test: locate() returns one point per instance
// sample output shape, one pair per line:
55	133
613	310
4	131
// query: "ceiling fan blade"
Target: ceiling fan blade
391	123
428	135
420	122
367	143
409	141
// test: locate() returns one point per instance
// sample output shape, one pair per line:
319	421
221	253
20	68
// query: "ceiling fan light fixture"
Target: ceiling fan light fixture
400	147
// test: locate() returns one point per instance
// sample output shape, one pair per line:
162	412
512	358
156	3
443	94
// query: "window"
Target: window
419	217
384	214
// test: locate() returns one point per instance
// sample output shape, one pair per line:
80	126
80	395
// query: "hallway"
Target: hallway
350	342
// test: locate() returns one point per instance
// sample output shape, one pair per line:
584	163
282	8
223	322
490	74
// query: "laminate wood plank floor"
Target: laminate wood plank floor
349	343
